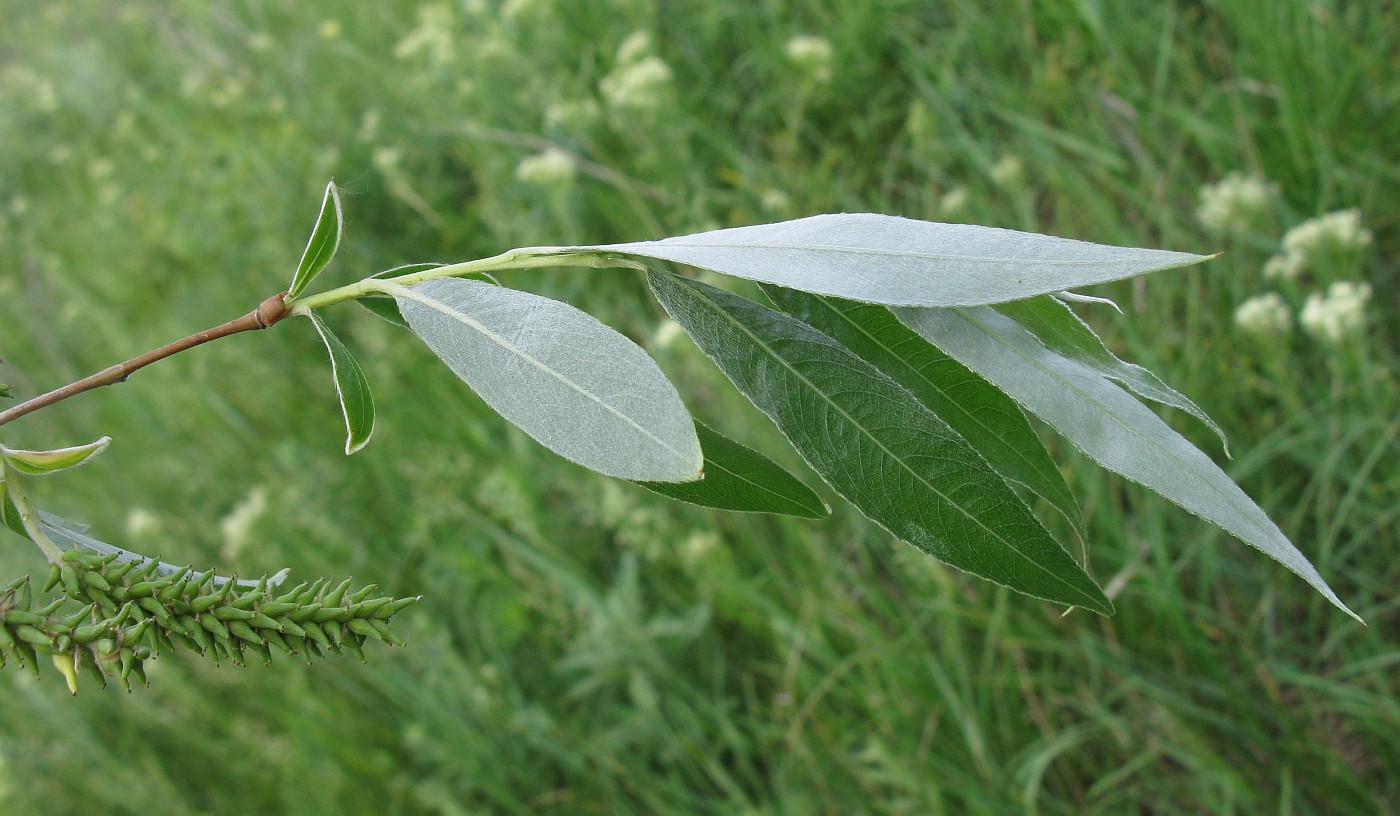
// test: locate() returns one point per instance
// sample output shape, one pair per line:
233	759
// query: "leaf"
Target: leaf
351	385
1062	331
739	478
900	261
383	306
1107	423
325	240
877	445
41	463
68	535
578	387
990	421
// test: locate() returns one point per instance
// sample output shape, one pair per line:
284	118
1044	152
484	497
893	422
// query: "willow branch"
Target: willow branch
268	313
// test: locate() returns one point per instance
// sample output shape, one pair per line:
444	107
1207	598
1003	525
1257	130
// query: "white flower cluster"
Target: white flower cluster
812	56
432	36
1337	314
550	168
1265	315
1234	203
1328	236
641	80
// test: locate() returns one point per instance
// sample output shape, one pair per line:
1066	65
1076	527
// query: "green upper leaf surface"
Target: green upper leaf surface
351	385
989	420
1062	331
877	445
1105	422
899	261
742	479
325	239
577	386
40	463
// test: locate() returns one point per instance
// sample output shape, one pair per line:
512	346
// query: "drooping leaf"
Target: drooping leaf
9	514
1107	423
325	239
351	385
578	387
899	261
742	479
988	419
40	463
877	445
1061	330
70	534
384	306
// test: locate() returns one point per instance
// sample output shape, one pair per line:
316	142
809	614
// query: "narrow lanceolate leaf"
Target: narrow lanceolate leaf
877	445
1105	422
325	239
385	307
39	463
988	419
351	385
900	261
578	387
1061	330
742	479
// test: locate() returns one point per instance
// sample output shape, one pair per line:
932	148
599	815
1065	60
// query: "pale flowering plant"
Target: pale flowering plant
898	357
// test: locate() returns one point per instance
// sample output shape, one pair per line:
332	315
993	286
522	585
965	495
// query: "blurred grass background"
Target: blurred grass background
587	647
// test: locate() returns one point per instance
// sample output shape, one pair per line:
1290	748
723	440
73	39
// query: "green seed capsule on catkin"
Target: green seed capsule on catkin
156	609
117	572
28	634
363	593
181	639
362	628
72	584
334	597
291	627
356	645
27	656
172	591
203	603
327	614
390	610
133	633
366	609
276	609
230	613
96	581
290	596
312	649
246	601
276	639
214	626
179	606
7	640
18	617
261	621
89	632
64	664
240	629
145	589
314	632
63	643
265	651
162	640
87	664
54	578
304	612
77	618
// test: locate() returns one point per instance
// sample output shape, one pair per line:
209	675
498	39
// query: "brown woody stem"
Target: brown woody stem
268	313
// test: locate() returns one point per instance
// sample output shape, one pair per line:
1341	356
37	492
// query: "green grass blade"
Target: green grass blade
1107	423
356	401
324	241
742	479
989	420
877	445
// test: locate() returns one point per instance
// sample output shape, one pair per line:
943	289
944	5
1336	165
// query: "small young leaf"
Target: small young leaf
40	463
578	387
356	401
900	261
1062	331
739	478
988	419
877	445
1107	423
325	239
384	307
